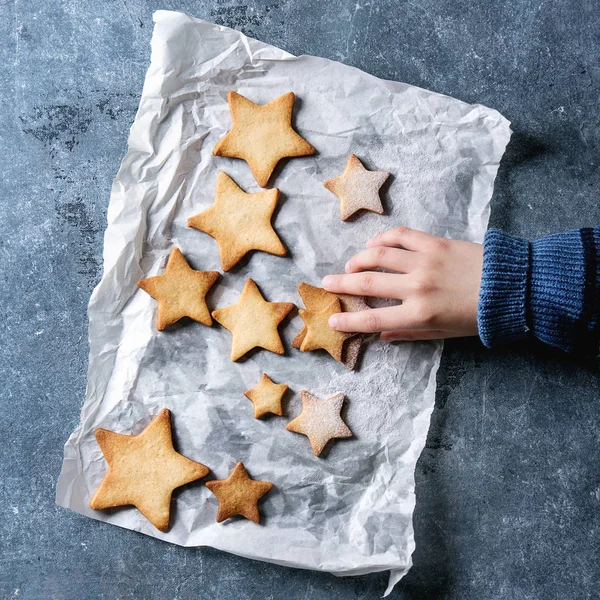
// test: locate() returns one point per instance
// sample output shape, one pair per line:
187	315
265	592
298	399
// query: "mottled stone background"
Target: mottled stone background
509	484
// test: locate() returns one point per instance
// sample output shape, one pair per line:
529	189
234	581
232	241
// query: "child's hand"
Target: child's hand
437	280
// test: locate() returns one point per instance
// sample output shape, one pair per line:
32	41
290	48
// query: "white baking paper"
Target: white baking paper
350	511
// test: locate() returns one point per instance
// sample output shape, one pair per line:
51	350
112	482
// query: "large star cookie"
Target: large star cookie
238	494
357	188
262	135
266	397
316	299
253	322
180	291
319	335
143	470
320	420
240	222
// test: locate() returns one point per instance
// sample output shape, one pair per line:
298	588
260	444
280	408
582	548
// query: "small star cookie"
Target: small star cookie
317	299
240	222
357	188
253	322
320	420
319	335
180	291
238	494
143	470
262	135
266	397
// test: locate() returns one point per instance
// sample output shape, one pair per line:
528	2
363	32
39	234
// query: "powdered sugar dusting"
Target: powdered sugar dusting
320	420
358	188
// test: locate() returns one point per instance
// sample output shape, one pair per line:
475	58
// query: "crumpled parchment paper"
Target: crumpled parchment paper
349	512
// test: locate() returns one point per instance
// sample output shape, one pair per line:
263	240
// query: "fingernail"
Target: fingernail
333	321
327	280
347	266
369	243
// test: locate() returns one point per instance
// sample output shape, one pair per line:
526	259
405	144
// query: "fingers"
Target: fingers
416	335
379	285
404	237
366	321
382	257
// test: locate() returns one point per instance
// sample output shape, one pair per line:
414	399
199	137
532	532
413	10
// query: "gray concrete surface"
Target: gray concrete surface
509	484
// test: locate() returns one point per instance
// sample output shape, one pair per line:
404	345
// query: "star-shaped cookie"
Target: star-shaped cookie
320	420
262	135
316	299
253	322
180	291
143	470
240	222
238	494
266	397
357	188
319	335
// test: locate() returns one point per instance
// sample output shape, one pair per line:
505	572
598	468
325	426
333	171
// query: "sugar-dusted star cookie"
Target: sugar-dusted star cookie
253	322
320	420
319	335
180	291
262	135
357	188
316	299
238	494
266	397
143	470
240	222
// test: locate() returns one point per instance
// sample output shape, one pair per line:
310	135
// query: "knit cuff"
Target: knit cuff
501	314
564	301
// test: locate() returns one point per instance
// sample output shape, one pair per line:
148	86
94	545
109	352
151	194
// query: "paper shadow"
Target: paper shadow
434	562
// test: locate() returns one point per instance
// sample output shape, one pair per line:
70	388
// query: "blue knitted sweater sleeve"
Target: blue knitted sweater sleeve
548	288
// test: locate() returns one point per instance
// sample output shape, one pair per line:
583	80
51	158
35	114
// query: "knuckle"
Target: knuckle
424	315
441	245
366	282
379	253
422	285
432	264
373	322
402	231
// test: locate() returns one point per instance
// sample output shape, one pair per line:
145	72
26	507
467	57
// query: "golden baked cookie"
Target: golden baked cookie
253	322
262	135
240	222
143	470
180	291
319	335
317	299
238	494
266	397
